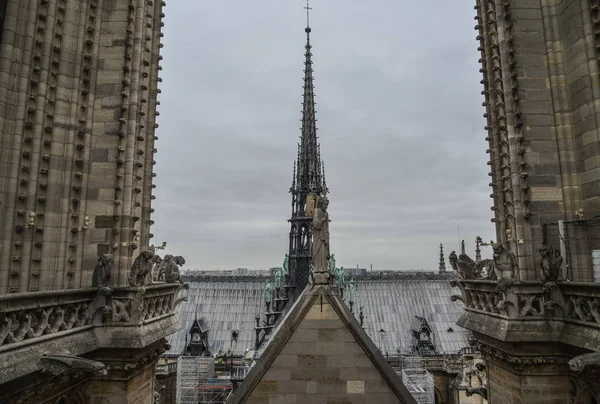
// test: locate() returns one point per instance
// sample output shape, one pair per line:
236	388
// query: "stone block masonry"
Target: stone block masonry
321	355
78	80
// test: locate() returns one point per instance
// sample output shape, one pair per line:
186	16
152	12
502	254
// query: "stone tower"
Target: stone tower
78	84
309	176
540	81
540	67
78	96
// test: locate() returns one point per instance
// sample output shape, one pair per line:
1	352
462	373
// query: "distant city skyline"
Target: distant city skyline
400	127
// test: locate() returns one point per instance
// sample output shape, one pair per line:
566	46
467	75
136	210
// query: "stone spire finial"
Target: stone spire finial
442	261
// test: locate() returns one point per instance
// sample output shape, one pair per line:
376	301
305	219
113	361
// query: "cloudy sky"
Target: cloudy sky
400	126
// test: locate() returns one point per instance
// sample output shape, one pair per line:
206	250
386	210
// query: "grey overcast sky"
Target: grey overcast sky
399	116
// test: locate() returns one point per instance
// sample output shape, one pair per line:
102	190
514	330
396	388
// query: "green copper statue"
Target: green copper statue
286	265
341	275
351	297
332	265
268	294
278	277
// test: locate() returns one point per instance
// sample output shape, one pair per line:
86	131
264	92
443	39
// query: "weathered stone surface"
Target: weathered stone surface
321	355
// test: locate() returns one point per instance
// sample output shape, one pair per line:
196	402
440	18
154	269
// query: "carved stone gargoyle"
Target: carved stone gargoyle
505	266
481	391
578	363
57	364
102	271
141	269
550	264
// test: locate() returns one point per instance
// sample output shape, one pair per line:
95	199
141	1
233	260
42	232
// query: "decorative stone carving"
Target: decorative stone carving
505	266
521	362
179	296
99	309
469	269
171	268
57	364
466	267
64	388
320	245
480	391
453	259
550	264
104	267
578	363
121	310
530	305
20	325
156	268
141	268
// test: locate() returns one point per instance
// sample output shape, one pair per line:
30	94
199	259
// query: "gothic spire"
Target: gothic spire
442	261
309	168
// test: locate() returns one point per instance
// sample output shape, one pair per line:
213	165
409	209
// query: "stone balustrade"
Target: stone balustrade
25	317
76	321
532	310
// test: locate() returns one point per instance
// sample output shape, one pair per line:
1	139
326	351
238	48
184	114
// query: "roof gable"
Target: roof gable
321	351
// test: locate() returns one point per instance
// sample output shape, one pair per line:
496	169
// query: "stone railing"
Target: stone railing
580	303
76	321
446	363
29	316
576	302
26	318
522	299
166	368
140	305
565	312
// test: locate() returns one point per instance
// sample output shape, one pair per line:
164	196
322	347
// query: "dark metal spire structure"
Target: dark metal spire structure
442	267
309	176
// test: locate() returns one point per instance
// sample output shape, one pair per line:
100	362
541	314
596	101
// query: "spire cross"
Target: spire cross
308	8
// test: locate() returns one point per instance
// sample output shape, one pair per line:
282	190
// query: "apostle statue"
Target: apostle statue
286	265
268	294
351	294
320	247
341	275
278	277
332	265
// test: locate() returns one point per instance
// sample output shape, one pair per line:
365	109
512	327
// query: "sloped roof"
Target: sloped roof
226	304
319	310
391	301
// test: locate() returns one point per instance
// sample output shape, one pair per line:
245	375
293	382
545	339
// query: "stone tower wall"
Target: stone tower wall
542	99
78	97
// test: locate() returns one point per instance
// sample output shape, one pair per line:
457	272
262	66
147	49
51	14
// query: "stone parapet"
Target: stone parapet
75	322
561	312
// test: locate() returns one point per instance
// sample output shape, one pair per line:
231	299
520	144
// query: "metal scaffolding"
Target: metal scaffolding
190	370
419	383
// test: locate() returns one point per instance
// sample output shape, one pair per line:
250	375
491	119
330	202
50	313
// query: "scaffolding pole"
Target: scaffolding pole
420	384
190	370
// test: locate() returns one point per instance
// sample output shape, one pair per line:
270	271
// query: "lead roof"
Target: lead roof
391	302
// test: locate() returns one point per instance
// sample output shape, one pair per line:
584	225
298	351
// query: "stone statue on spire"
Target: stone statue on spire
320	240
